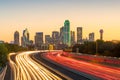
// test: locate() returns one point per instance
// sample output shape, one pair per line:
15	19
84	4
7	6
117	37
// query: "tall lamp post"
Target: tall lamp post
96	47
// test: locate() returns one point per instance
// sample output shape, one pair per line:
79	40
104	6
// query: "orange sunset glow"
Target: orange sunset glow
45	16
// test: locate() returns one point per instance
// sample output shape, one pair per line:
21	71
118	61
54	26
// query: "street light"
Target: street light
96	47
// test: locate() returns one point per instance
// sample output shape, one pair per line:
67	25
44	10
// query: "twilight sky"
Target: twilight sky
49	15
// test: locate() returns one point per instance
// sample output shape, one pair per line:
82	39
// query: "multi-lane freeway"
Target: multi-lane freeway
37	65
30	66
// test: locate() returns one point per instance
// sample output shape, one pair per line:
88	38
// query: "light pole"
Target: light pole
96	47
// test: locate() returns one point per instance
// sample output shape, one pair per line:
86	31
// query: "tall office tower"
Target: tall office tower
48	39
55	37
67	37
72	37
16	38
79	35
101	34
61	35
25	38
39	40
91	36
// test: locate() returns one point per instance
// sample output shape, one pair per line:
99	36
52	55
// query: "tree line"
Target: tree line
6	48
100	47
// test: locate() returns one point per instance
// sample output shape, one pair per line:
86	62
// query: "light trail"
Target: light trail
98	70
25	68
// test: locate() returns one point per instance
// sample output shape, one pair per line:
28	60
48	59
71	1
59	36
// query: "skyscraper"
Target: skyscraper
67	37
48	39
61	35
55	34
91	36
38	40
72	37
25	38
16	38
79	35
101	34
55	37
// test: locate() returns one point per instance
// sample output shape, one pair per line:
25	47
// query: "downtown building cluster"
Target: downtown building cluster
59	39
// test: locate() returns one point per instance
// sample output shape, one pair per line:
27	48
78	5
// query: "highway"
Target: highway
32	65
98	70
67	73
25	68
37	65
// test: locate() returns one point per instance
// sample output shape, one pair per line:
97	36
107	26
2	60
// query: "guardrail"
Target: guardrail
94	58
2	73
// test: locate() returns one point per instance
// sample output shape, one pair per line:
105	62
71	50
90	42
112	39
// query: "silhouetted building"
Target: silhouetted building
67	37
91	36
61	35
101	34
48	39
16	38
72	37
79	35
39	40
55	37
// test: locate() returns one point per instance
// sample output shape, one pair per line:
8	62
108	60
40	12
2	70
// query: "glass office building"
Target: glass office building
67	37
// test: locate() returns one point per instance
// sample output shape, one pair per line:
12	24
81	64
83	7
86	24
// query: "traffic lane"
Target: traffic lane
60	69
93	69
33	56
24	68
35	71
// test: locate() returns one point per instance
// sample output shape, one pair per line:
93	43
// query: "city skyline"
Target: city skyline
47	16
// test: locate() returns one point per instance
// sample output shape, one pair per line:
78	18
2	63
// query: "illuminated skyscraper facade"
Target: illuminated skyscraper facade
16	38
67	37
